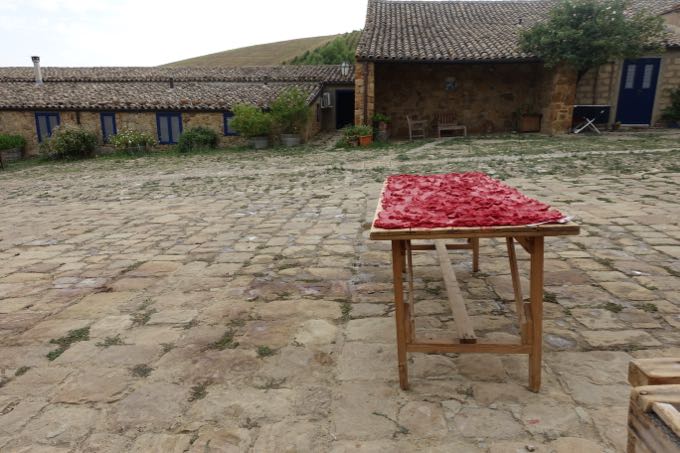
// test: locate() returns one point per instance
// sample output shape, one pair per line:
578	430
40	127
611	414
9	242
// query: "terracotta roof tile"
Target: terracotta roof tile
287	73
432	31
143	95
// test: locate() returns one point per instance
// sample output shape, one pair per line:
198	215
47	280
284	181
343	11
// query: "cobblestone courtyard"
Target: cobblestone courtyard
231	301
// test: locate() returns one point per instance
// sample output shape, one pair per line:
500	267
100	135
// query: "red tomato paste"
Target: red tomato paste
458	200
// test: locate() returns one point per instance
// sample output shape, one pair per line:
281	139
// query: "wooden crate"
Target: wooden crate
654	416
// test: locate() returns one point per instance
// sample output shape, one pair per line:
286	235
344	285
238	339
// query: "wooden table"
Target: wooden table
531	238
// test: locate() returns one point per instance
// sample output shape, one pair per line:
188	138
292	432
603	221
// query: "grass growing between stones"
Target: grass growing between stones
142	370
142	317
198	392
225	342
22	370
346	310
65	342
264	351
110	341
648	307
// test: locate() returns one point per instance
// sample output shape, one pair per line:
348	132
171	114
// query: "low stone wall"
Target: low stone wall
483	97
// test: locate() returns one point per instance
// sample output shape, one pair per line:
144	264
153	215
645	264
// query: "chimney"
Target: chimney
36	70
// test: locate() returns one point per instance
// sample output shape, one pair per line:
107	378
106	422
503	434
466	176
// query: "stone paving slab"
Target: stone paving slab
213	303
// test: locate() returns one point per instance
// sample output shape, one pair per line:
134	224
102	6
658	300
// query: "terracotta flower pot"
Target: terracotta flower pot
365	140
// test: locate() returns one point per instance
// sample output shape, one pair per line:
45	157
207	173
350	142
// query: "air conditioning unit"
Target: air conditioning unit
326	101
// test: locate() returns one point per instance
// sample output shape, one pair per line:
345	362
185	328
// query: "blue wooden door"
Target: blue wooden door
638	88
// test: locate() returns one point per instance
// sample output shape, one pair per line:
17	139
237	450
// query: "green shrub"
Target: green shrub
11	141
132	140
352	133
291	111
251	121
69	142
196	138
381	118
670	113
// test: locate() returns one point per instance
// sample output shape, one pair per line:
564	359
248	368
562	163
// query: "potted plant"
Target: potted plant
382	121
12	147
358	135
528	120
671	114
291	114
251	122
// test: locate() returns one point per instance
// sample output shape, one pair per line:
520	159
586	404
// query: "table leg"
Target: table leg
475	254
410	306
398	248
535	357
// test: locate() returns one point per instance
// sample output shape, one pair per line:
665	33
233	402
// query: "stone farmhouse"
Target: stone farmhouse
416	58
161	101
425	58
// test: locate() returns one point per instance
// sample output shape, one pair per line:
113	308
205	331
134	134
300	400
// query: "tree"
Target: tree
585	34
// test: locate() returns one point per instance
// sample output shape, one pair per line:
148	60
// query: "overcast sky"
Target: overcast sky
153	32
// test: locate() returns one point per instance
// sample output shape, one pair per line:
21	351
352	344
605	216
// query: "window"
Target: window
228	129
45	122
647	76
630	77
169	126
108	125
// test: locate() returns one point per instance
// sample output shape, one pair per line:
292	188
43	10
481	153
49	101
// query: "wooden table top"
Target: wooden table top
548	229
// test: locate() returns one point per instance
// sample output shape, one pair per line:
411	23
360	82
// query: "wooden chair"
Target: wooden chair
416	128
447	122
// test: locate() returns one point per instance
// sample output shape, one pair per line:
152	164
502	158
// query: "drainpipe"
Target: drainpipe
36	70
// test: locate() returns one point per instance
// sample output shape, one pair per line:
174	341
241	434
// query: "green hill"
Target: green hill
261	55
342	48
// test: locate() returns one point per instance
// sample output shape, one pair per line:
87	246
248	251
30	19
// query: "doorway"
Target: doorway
637	92
344	108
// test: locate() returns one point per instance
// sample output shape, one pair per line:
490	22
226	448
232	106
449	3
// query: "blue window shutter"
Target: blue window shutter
228	129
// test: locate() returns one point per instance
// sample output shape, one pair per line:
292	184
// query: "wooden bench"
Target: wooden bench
447	122
653	416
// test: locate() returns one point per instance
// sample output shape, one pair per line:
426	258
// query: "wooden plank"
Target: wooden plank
410	307
536	299
448	247
655	371
397	269
556	229
475	254
492	348
460	316
647	433
516	282
646	395
670	416
525	243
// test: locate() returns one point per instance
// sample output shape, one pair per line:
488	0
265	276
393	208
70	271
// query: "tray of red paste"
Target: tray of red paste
458	200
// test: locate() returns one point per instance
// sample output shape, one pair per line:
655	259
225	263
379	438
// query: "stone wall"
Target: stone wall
557	95
484	97
364	92
669	79
598	86
23	123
